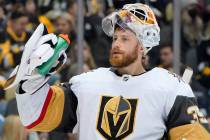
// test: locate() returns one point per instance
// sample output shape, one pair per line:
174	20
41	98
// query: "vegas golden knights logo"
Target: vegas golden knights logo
116	117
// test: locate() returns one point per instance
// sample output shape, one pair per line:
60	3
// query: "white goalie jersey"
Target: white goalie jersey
102	104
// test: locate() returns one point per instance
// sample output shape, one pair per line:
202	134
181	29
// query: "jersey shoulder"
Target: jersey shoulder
166	76
172	82
93	75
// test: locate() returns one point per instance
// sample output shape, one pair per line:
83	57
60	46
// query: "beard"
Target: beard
119	59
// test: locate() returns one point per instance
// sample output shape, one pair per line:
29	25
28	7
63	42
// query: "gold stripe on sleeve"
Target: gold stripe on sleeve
189	132
54	111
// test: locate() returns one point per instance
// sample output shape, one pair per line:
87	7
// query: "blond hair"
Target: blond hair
66	16
13	129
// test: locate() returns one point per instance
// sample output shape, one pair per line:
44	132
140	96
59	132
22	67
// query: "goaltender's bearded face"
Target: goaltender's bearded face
125	48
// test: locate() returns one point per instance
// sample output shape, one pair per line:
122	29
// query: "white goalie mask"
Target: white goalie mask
140	19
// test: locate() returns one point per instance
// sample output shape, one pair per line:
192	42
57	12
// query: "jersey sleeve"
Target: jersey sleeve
178	104
69	117
184	120
48	109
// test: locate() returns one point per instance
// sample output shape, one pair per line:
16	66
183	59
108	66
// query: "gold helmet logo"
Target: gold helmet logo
116	117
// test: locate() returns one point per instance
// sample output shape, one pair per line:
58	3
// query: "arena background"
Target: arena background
185	42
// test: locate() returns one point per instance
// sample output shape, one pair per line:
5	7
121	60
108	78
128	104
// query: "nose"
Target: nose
116	44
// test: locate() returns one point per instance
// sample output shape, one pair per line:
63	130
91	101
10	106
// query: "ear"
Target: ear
140	48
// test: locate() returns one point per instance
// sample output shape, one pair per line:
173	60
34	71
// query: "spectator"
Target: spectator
3	19
88	58
32	13
191	33
203	54
92	29
72	8
14	40
13	129
65	24
166	57
89	63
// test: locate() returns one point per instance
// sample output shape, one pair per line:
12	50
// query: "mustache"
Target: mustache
116	51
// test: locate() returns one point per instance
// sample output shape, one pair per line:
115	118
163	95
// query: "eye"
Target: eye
114	38
124	39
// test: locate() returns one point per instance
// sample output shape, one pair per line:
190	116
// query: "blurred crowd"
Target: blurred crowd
19	18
